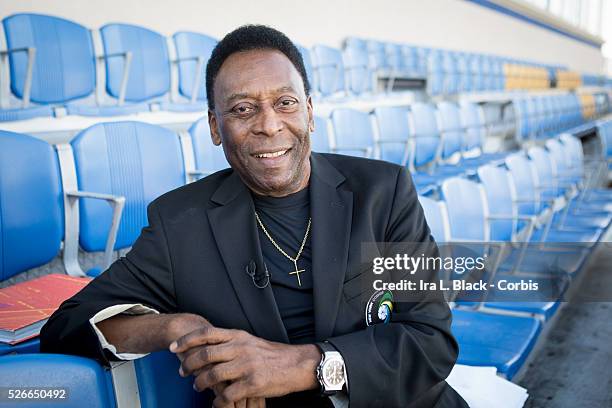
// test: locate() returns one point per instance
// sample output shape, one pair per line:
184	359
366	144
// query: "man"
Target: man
251	275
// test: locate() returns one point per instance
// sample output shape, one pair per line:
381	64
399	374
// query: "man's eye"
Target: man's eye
243	109
285	103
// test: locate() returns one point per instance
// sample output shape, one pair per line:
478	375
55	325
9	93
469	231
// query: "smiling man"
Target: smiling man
252	275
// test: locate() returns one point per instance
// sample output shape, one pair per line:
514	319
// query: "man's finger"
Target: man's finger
234	392
218	373
204	335
256	403
202	356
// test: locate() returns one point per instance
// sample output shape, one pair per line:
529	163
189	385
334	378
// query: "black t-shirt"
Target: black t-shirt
286	219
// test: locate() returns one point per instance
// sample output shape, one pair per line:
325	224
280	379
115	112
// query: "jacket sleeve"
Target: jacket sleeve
396	364
143	276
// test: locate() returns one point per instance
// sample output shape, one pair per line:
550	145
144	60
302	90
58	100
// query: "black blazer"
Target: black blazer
192	257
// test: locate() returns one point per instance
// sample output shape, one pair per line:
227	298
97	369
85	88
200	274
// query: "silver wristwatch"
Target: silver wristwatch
331	371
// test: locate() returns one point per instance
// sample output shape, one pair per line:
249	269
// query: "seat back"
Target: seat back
498	189
308	65
561	167
393	132
467	209
208	157
319	139
521	169
330	70
359	77
189	46
64	63
543	166
378	55
31	204
451	72
451	129
149	74
473	122
394	57
85	382
435	73
425	133
353	132
604	131
135	160
437	220
160	385
410	58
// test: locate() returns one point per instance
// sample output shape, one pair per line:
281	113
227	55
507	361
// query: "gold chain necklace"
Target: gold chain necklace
294	260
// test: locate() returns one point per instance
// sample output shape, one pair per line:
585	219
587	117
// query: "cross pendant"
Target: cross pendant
297	273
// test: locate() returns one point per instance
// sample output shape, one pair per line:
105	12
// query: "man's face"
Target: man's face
263	118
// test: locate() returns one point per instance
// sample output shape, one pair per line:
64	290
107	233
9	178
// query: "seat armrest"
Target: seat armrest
127	56
27	87
117	203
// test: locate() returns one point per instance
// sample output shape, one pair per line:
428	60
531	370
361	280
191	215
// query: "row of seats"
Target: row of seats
533	206
446	71
542	116
63	192
433	141
56	67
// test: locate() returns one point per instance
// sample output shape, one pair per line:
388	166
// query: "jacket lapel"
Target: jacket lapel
235	231
332	211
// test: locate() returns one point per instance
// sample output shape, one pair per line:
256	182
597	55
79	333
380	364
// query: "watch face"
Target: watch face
333	373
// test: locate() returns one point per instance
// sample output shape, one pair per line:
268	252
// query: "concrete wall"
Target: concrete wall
453	24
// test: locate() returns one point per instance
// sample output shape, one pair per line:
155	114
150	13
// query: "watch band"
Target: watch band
325	347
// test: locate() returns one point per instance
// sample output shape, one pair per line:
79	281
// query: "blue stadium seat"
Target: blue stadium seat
393	134
329	70
31	211
308	65
568	168
135	160
452	135
468	215
506	225
435	73
89	384
410	60
353	132
358	74
31	207
193	51
530	204
552	189
319	139
472	119
425	135
208	157
494	340
85	382
60	55
160	385
484	339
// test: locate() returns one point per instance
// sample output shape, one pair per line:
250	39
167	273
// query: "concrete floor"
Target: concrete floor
573	367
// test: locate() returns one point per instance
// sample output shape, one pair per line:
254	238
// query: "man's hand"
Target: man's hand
181	324
253	367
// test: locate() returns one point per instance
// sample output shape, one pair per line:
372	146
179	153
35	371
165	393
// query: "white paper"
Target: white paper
481	387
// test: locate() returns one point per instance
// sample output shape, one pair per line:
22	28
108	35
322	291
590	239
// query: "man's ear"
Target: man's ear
214	128
311	125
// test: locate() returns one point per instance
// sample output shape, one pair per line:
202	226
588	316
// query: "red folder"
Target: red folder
26	306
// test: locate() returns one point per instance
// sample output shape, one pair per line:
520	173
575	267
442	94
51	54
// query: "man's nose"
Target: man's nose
269	122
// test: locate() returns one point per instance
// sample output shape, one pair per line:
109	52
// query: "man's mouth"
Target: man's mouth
272	154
